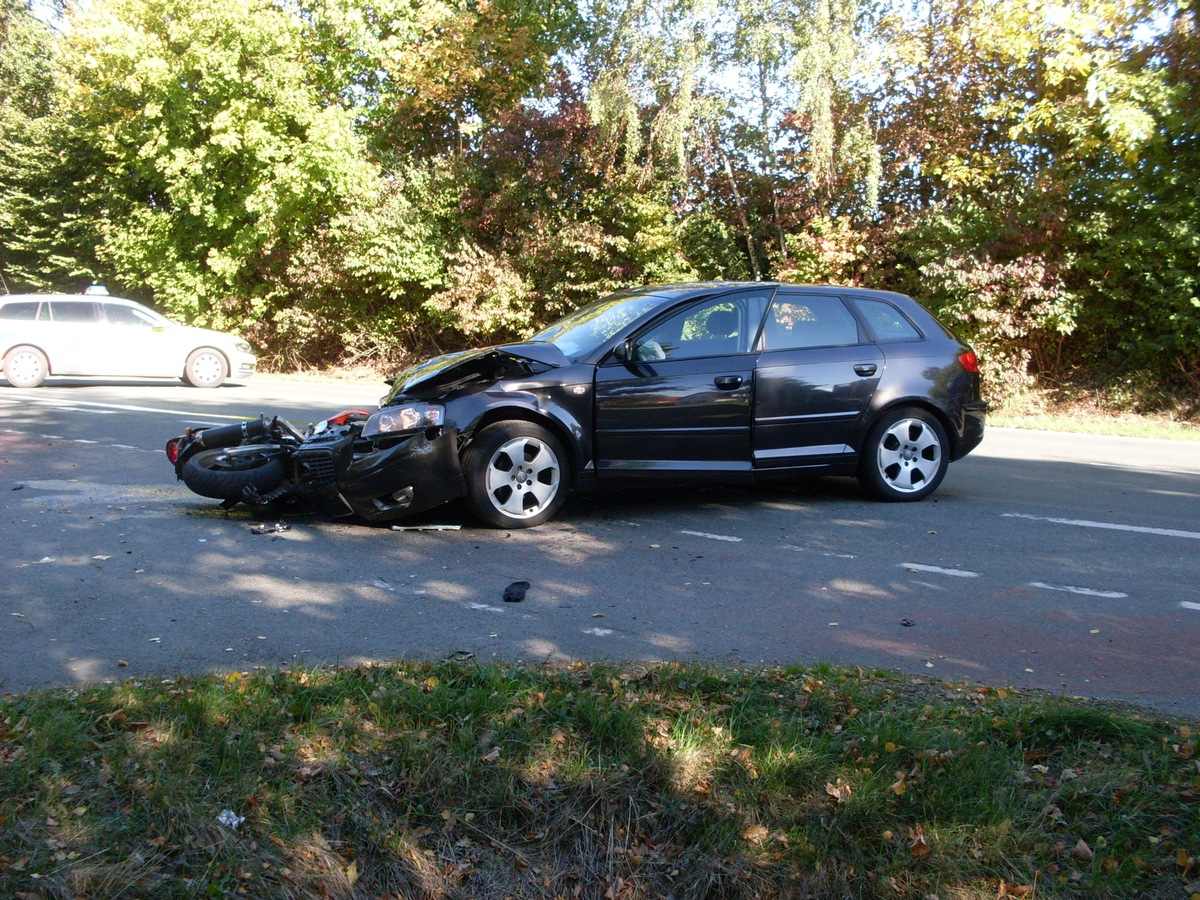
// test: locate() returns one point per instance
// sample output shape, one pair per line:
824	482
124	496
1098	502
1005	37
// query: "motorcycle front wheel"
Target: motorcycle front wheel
225	473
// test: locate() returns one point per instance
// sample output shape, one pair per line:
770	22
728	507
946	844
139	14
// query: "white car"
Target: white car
94	334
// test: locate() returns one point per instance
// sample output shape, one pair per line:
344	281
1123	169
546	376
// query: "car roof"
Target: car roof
80	298
684	290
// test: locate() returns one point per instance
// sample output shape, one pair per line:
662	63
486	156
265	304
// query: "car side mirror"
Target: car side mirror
623	352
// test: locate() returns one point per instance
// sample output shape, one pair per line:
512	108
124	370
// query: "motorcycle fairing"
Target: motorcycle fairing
407	478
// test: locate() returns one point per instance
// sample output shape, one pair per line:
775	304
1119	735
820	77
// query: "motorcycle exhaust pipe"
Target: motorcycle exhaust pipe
231	435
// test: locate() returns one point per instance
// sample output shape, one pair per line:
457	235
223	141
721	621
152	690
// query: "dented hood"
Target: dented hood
443	373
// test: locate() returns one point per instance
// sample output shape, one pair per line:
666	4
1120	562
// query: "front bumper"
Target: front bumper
385	485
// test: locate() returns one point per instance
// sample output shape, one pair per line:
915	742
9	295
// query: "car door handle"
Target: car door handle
866	369
728	382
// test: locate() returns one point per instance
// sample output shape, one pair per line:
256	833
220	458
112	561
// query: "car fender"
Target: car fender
474	412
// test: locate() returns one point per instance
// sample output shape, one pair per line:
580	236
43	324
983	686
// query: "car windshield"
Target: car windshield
582	331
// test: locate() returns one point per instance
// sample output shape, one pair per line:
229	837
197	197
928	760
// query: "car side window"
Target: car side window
798	321
887	322
127	315
718	326
23	312
72	311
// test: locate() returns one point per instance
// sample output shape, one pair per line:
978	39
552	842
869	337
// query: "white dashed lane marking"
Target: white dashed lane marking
713	537
1109	526
1071	589
938	570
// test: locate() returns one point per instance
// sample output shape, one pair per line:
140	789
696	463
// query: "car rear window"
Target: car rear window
887	322
73	311
799	321
24	311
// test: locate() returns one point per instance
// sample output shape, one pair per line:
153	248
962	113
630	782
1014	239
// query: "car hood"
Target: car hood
443	373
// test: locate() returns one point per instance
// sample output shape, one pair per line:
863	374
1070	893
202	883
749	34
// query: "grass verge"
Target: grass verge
452	779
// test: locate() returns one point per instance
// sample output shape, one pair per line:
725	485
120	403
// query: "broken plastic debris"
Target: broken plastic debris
515	592
230	819
426	528
270	528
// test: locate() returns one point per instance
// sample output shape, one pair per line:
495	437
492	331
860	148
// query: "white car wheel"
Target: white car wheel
26	367
206	368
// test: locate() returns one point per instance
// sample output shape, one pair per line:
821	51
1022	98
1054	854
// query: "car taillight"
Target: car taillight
969	361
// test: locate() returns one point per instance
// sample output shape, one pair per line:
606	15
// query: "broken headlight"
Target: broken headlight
399	420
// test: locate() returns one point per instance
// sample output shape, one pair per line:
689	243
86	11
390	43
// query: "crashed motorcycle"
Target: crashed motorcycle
343	466
439	436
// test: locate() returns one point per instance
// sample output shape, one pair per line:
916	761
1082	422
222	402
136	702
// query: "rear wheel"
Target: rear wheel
26	367
905	456
205	368
516	475
225	475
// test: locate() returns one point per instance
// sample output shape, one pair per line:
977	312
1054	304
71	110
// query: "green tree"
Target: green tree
218	155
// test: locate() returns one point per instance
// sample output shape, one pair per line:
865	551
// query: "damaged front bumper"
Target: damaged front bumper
382	485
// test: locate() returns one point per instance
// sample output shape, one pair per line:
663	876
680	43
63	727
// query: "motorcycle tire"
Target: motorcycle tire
219	476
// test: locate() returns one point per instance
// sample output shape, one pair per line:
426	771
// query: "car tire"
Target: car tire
905	456
216	474
206	368
516	473
26	367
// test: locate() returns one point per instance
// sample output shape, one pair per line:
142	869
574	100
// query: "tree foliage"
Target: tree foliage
358	183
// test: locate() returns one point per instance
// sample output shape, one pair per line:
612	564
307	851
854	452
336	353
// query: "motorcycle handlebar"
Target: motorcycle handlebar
230	435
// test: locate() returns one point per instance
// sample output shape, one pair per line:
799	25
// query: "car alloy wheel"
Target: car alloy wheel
515	474
905	457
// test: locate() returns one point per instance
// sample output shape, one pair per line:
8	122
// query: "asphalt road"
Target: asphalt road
1061	562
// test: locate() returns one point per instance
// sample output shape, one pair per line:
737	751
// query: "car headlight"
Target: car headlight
401	419
242	346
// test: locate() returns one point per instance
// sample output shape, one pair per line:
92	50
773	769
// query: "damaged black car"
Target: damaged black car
723	382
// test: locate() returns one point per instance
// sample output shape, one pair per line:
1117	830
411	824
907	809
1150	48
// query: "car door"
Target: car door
817	372
681	403
72	341
142	343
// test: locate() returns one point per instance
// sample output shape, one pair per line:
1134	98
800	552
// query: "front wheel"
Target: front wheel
905	456
225	473
26	367
516	474
205	368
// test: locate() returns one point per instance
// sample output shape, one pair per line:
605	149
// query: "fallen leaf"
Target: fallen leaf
1082	851
1015	890
919	847
755	834
840	791
491	756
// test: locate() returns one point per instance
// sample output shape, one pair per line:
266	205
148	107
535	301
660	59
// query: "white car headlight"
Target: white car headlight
242	346
401	419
